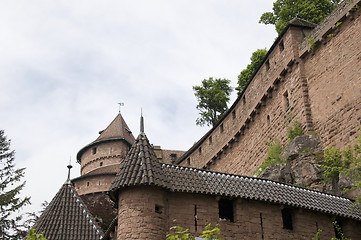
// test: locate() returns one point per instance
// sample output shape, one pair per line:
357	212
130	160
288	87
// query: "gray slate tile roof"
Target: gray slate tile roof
67	218
142	168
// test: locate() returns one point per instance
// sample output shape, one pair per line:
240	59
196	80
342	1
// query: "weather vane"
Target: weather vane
120	105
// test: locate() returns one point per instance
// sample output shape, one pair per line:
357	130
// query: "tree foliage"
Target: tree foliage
348	162
213	96
245	76
34	236
10	187
285	10
208	233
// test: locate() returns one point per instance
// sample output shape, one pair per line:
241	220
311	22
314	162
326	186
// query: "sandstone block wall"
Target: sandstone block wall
309	76
138	218
333	73
102	154
94	183
142	214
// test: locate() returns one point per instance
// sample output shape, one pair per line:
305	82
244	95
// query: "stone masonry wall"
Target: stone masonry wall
106	153
271	101
139	220
142	213
320	88
333	70
93	184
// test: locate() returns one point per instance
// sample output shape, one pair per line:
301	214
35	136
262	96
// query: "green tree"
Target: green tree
245	76
10	201
34	236
285	10
213	96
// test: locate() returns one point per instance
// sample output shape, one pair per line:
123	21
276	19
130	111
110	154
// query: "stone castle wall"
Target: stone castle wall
103	154
307	77
160	210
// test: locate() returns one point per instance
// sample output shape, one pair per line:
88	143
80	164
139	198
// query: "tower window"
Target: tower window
200	150
225	208
234	114
210	139
87	184
101	163
287	218
94	150
221	128
189	161
173	157
268	120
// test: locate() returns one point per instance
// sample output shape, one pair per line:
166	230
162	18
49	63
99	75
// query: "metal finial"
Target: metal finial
69	167
141	122
120	105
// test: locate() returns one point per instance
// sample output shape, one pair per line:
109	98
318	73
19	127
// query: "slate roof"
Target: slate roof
67	218
142	168
117	130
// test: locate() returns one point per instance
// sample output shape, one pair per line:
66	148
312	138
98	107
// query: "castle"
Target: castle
311	74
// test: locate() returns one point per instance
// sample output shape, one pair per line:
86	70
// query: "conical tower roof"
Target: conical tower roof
117	130
140	167
67	218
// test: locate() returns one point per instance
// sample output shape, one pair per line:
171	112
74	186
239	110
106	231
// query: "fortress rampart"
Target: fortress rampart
310	74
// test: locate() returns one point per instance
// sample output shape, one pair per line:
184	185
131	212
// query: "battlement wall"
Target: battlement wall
291	84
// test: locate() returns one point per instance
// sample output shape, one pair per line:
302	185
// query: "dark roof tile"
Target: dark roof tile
67	218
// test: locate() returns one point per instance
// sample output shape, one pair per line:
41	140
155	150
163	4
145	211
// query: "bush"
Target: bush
295	130
274	152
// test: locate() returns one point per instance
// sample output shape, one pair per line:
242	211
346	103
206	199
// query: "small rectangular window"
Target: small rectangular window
189	161
158	209
200	150
234	114
210	139
225	208
287	218
221	128
94	150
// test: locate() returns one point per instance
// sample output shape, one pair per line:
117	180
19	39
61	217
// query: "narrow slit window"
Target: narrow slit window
225	208
210	139
268	120
195	218
286	101
94	150
189	161
234	114
200	150
287	218
101	164
221	128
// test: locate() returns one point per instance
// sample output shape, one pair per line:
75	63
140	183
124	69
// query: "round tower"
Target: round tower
100	162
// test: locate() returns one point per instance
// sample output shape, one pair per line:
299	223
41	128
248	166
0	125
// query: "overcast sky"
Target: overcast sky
64	66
